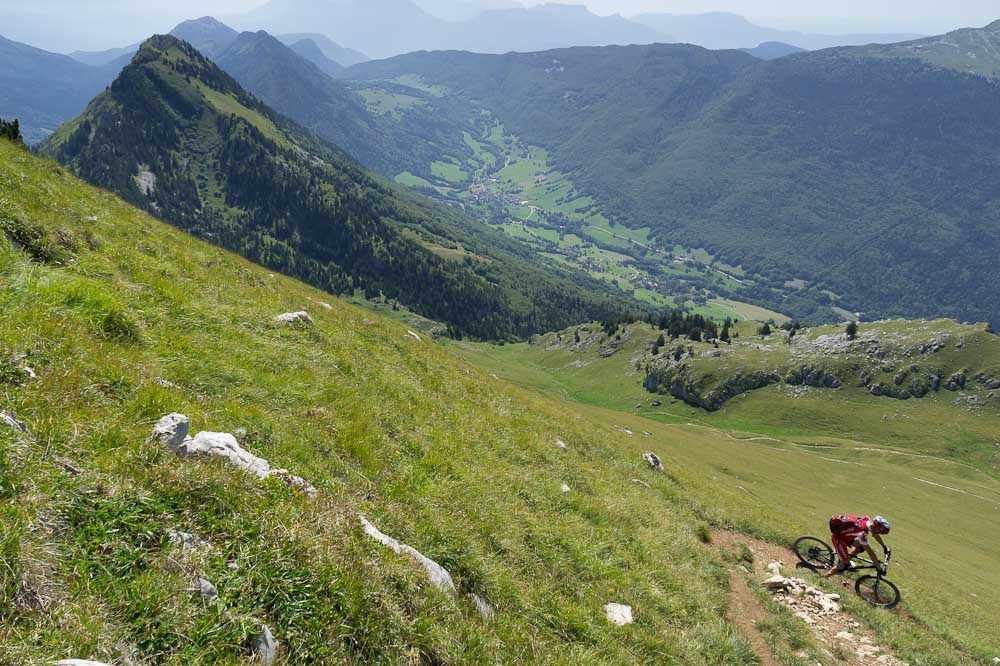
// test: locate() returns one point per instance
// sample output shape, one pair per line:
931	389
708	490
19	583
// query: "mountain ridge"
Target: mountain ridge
213	160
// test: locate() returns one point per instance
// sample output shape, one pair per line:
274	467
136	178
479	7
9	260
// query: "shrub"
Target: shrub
851	330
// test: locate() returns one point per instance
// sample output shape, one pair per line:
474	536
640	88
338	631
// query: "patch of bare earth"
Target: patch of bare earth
842	635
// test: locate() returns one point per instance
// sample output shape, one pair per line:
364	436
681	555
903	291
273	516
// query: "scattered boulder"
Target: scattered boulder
171	431
10	421
186	540
225	445
301	318
956	382
564	488
778	583
482	607
438	575
561	444
618	614
653	461
807	602
205	589
265	648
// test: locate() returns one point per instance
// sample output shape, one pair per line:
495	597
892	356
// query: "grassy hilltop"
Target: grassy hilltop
122	319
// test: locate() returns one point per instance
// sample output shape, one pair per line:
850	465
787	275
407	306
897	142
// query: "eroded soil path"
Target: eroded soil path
844	642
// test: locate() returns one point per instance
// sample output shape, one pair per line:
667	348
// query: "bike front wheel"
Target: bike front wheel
877	591
814	552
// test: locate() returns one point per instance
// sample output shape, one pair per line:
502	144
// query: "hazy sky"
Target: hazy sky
65	25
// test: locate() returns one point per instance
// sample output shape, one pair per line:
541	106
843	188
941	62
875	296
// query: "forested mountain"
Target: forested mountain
342	56
177	136
866	182
773	50
973	50
311	51
44	89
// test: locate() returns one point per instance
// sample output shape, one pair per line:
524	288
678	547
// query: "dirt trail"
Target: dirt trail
841	635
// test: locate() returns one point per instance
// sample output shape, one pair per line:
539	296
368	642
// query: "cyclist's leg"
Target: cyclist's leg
842	547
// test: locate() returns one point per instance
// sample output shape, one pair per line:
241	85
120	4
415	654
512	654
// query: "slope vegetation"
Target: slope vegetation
122	319
176	135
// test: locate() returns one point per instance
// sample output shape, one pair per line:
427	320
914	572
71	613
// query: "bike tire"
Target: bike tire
877	591
814	553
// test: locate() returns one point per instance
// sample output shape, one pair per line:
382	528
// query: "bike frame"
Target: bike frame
868	564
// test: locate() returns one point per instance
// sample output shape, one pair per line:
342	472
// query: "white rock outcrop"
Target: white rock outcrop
224	445
564	488
7	419
807	602
653	460
618	614
295	318
171	431
265	648
438	575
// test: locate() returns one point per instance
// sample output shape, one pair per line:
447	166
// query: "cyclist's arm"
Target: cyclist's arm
875	558
878	538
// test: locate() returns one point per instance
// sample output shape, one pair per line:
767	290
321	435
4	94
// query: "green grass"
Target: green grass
451	172
230	105
435	452
776	463
384	102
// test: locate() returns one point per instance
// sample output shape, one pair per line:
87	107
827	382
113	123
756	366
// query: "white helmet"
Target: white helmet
883	523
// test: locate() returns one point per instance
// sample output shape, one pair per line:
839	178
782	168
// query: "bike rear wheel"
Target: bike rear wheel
814	552
877	591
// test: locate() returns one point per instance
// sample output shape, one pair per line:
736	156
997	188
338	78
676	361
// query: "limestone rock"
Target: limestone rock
205	589
8	420
640	482
225	445
300	318
265	647
564	488
482	607
438	575
653	460
171	431
294	482
79	662
414	335
776	583
186	540
561	444
618	614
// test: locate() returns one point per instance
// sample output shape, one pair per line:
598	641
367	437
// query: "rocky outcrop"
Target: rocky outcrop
437	574
8	420
265	648
956	382
172	431
653	461
816	377
301	318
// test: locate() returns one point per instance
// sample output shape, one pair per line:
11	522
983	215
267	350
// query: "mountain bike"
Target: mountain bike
815	553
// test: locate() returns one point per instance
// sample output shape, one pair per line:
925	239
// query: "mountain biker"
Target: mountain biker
850	537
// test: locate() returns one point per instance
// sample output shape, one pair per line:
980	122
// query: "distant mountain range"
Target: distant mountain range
383	28
773	50
43	90
719	30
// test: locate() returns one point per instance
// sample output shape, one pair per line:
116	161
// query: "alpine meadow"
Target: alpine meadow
446	332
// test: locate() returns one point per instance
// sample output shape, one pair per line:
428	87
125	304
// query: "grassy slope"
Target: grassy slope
778	460
446	458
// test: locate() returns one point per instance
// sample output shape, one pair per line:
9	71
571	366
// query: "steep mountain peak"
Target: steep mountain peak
207	34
